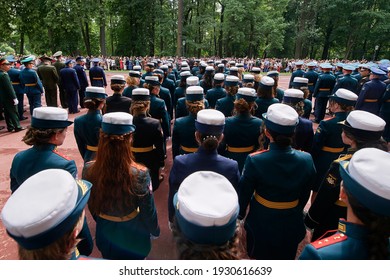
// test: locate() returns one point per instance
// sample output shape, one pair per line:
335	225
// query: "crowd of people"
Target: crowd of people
246	158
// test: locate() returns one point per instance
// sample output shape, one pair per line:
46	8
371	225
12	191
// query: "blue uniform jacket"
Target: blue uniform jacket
304	135
86	132
214	94
69	79
349	243
183	135
128	91
165	95
31	82
226	105
158	110
263	104
14	75
312	76
370	97
181	107
179	93
296	73
184	165
348	82
385	113
97	77
40	157
82	76
324	85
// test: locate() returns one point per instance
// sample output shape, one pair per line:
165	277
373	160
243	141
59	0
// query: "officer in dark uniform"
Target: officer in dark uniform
209	126
297	73
87	127
384	113
365	72
14	75
370	97
265	96
347	81
278	92
360	129
323	89
312	76
164	93
328	144
97	75
79	67
47	131
183	135
302	84
59	65
117	102
276	183
226	104
217	92
148	138
339	70
8	98
242	130
70	83
41	231
365	190
31	83
49	77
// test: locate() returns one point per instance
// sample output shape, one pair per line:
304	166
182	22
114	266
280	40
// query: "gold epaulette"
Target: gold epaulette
345	157
339	237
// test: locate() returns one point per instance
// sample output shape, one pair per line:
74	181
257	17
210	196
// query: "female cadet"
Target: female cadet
181	89
256	71
205	226
207	81
361	129
304	134
121	201
148	139
87	127
366	192
117	102
50	232
47	131
226	104
385	112
209	126
327	143
183	136
276	183
132	81
217	92
265	96
303	85
248	80
242	131
279	93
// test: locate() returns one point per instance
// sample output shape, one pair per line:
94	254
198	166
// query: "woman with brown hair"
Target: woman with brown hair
117	102
265	96
121	201
133	82
226	104
242	130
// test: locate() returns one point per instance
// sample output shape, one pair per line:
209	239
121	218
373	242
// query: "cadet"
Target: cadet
226	104
167	82
149	70
256	71
121	201
32	84
370	97
148	139
139	69
117	102
209	126
347	81
312	76
274	223
207	80
322	91
180	91
278	92
70	83
14	75
8	98
384	113
339	70
365	72
133	82
47	131
328	144
297	73
49	77
164	93
87	127
49	232
302	84
366	192
360	130
303	139
265	96
79	67
97	75
242	130
183	135
217	92
59	65
205	226
248	80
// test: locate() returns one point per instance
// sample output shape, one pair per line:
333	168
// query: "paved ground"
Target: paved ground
10	144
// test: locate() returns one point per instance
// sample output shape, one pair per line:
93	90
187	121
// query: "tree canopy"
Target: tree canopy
319	29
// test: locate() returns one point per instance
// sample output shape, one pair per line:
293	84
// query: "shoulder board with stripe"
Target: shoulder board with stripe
346	157
61	155
328	119
258	152
339	237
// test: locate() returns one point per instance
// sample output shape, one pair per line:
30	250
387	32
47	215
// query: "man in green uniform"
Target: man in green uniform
49	77
59	65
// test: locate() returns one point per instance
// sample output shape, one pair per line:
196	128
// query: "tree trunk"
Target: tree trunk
327	42
103	49
21	49
220	39
179	28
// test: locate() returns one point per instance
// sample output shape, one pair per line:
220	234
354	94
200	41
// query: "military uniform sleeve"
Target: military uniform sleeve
315	92
104	78
79	140
309	253
159	144
39	83
7	88
319	138
246	186
174	184
175	140
361	97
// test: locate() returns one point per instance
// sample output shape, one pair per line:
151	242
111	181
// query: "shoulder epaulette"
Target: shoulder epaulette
346	157
339	237
328	119
61	155
258	152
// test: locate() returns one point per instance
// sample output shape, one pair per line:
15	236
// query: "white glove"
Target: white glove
16	101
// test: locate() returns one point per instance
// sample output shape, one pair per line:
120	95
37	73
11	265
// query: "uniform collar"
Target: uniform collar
352	230
47	146
274	146
202	151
